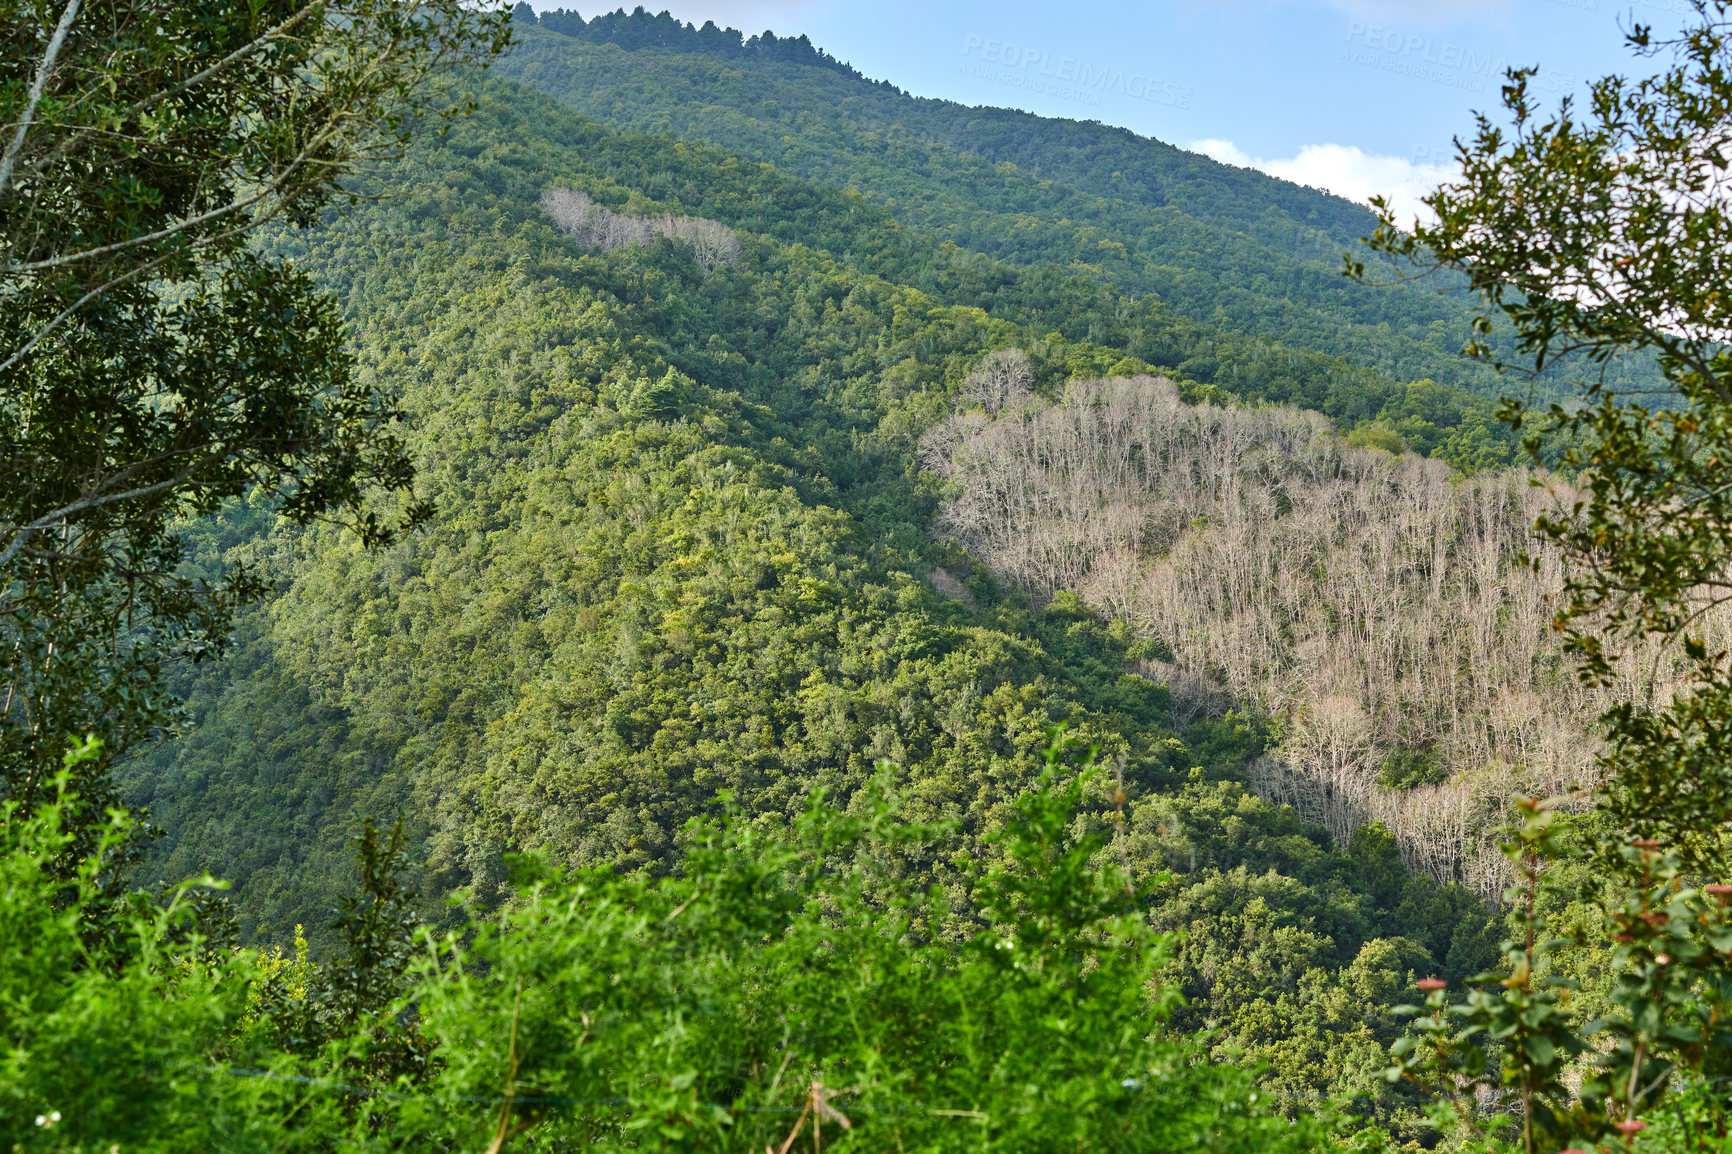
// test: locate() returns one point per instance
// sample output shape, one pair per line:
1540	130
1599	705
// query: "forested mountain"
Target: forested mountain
1227	246
1377	605
684	544
684	591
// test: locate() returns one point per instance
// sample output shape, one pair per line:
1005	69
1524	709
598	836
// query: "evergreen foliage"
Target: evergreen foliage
152	363
634	700
641	30
1216	244
682	547
783	984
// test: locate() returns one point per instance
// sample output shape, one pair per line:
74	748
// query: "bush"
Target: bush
804	983
1406	768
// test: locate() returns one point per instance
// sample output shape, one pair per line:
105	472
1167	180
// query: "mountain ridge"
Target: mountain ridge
684	557
1226	246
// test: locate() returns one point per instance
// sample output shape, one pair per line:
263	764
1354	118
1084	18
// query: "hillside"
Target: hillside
684	545
1227	246
1379	608
683	593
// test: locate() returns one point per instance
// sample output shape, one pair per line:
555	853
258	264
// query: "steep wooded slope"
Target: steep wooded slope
1387	613
682	546
1224	245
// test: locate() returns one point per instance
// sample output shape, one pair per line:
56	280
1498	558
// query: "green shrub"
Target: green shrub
1405	768
804	982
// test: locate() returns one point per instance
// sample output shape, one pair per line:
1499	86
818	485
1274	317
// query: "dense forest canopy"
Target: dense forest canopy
685	544
639	29
154	364
1222	245
853	619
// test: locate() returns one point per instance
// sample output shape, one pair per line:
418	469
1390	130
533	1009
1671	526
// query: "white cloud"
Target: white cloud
1346	171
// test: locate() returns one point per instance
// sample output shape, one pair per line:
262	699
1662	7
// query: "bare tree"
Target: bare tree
713	244
1366	598
938	445
1001	380
593	225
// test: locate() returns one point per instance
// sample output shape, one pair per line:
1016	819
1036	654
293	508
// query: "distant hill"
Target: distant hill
641	30
1228	246
675	412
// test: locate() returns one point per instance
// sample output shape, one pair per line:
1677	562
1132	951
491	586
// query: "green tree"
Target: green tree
152	362
103	1038
1603	230
790	985
783	983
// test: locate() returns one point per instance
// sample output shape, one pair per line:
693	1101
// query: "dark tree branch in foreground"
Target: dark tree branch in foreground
1601	229
153	362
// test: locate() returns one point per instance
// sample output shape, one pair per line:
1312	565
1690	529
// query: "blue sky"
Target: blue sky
1357	96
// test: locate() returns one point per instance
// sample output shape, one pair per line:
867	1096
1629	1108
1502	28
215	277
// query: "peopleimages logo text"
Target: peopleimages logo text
1440	61
1074	74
